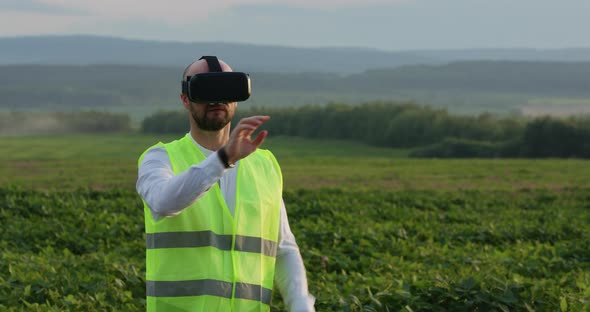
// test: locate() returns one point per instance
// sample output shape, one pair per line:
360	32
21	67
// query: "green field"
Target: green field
110	161
378	231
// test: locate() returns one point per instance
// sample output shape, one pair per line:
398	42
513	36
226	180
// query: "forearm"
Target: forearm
292	283
290	275
168	194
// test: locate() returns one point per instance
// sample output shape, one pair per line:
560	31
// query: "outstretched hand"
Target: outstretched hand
240	143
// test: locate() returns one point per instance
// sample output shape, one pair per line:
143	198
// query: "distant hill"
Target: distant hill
514	54
133	88
541	78
84	50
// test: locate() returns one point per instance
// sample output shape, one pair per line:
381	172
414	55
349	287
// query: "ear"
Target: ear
185	101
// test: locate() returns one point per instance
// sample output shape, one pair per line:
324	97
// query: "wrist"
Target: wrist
224	158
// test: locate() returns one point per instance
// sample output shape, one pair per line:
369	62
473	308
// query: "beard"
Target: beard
215	123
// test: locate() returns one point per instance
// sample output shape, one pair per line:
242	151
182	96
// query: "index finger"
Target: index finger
247	126
255	120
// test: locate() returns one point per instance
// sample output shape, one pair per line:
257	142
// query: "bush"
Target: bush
408	125
550	137
386	124
21	123
166	122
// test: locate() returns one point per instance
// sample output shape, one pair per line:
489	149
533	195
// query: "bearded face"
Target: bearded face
212	117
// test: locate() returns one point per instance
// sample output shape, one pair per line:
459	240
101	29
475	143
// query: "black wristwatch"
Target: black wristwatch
223	157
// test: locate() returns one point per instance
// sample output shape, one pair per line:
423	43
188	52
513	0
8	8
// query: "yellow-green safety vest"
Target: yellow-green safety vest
205	259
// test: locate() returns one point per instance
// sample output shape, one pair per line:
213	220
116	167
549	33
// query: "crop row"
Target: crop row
364	251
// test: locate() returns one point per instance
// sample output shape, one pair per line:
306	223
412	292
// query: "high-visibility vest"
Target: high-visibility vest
205	259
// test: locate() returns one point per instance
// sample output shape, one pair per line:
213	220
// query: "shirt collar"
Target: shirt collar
205	151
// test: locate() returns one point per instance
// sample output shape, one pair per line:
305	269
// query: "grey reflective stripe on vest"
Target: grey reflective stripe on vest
208	238
188	288
187	239
207	287
256	244
253	292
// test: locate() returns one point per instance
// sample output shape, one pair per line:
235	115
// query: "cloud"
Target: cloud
417	24
187	11
384	24
163	20
37	6
172	11
17	23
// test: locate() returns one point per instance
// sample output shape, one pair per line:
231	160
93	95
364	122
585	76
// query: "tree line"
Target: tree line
428	131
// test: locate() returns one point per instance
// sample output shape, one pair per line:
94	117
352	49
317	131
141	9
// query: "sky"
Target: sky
392	25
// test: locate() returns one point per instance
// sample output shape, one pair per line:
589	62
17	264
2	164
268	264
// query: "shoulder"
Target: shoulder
154	156
159	151
265	154
156	151
268	158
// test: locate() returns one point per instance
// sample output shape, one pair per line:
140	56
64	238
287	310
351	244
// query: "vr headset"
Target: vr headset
216	86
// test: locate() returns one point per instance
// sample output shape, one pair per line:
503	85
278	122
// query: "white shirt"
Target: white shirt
168	195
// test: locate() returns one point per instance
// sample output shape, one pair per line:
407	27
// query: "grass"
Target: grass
378	231
110	161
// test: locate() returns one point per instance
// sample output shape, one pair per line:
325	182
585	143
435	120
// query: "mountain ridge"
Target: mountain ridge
91	50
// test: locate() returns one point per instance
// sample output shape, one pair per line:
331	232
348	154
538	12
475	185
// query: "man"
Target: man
217	233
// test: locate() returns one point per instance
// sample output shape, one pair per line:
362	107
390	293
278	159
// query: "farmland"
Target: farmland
377	231
110	162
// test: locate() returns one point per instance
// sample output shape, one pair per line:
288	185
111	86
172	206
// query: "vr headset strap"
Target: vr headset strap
213	63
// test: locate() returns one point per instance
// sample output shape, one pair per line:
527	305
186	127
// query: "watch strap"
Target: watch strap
224	159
